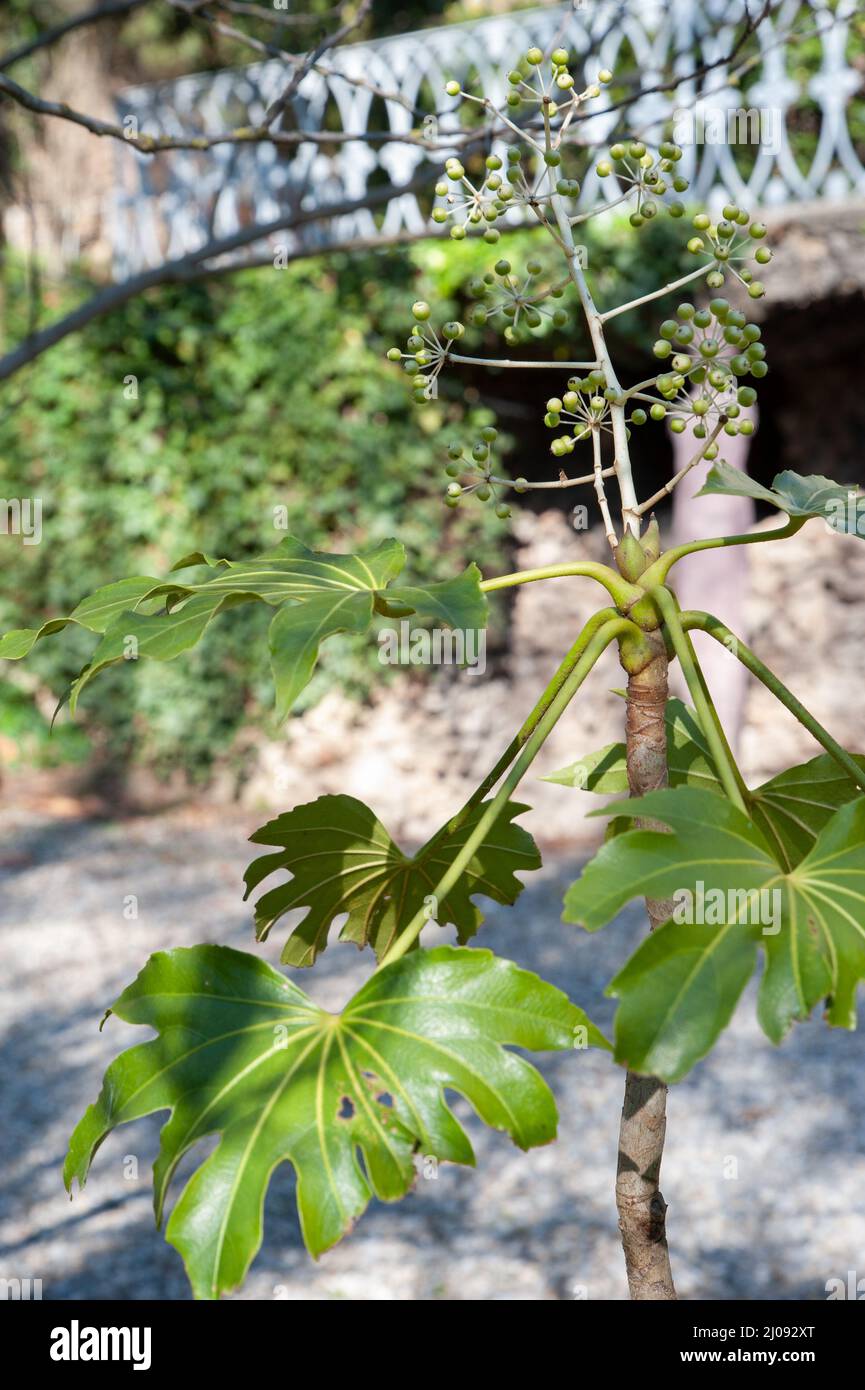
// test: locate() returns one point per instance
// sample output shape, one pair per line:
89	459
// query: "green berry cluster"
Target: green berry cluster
584	407
478	468
556	91
426	352
728	243
651	176
520	301
476	206
471	207
713	348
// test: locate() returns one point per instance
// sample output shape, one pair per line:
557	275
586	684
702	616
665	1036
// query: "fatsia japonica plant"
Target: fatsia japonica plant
355	1100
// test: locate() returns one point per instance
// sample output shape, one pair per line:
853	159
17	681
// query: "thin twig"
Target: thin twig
692	463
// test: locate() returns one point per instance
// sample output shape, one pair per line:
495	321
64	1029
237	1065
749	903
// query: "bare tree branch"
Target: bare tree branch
194	266
111	9
330	41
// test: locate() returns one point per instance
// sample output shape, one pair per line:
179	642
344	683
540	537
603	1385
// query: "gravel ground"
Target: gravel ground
765	1163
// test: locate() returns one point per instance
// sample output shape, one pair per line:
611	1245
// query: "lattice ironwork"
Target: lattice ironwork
173	203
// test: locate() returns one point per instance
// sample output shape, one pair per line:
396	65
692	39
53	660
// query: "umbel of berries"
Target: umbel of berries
710	355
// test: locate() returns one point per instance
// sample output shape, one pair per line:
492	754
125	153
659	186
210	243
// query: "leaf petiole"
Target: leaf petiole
728	772
597	644
705	622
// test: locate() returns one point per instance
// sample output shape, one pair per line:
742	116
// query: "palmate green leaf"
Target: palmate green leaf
791	809
96	613
679	989
347	1099
343	860
793	493
314	594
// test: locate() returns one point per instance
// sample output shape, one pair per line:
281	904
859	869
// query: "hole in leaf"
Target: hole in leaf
346	1109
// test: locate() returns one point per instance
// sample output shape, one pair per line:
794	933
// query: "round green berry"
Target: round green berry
677	424
452	89
638	417
658	411
662	348
503	511
534	56
454	490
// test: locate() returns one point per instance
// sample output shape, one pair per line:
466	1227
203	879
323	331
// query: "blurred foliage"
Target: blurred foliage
211	415
184	420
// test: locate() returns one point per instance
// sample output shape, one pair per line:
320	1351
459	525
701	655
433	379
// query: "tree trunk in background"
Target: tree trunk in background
716	580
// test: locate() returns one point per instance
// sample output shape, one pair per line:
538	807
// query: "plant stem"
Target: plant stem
594	319
665	491
704	622
639	1200
620	590
728	772
547	721
510	362
655	294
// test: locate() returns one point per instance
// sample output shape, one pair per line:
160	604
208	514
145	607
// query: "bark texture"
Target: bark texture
641	1206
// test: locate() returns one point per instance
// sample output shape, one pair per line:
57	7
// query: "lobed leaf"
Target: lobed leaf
679	989
343	860
314	594
793	493
791	809
347	1099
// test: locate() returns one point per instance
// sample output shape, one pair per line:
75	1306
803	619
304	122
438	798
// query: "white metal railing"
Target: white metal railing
173	203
